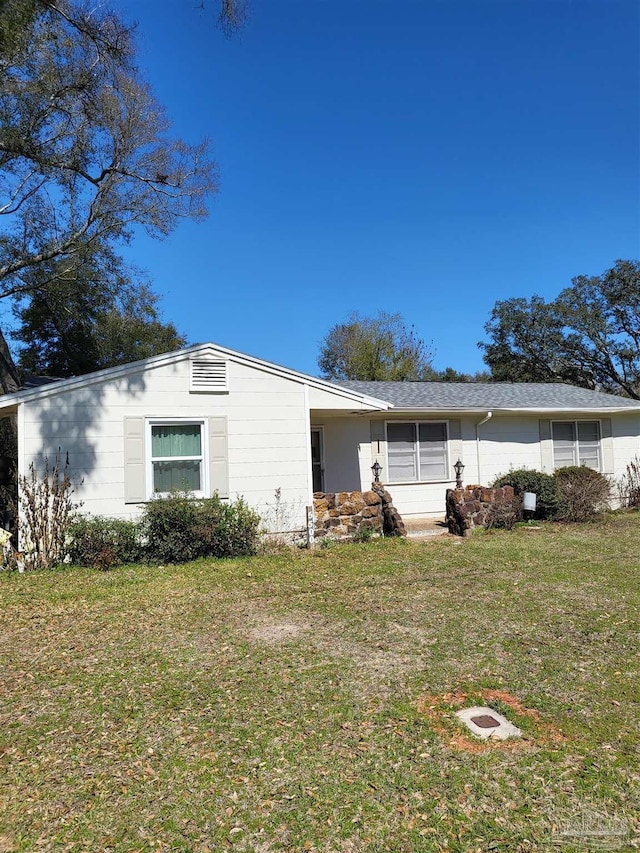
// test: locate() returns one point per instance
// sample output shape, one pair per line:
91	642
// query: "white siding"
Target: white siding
267	433
505	442
347	451
508	442
268	439
626	441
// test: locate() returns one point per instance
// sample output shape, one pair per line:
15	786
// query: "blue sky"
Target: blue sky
420	157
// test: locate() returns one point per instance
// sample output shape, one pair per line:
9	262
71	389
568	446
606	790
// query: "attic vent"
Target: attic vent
208	375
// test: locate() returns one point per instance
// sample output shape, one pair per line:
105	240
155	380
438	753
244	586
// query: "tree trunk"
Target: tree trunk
9	377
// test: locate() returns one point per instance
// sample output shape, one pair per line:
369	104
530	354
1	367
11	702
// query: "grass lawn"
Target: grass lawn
304	702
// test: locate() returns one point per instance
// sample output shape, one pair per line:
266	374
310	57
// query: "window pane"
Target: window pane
589	444
168	476
563	444
401	444
588	431
176	440
433	451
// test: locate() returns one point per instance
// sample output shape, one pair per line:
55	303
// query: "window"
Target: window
177	457
576	443
417	452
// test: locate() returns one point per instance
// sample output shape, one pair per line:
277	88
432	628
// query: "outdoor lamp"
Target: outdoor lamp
458	468
376	468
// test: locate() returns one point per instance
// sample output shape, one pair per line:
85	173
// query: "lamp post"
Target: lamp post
376	468
458	468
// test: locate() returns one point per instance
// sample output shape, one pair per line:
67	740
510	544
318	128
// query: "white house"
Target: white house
216	420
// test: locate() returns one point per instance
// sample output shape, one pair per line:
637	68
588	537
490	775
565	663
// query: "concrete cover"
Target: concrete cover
503	730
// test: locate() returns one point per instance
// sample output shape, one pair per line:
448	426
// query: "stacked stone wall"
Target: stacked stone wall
343	515
480	506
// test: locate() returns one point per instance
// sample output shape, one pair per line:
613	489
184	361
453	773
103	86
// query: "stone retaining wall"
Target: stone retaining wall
480	506
342	515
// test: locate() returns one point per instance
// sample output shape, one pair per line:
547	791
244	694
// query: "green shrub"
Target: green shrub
168	526
179	528
227	530
101	543
544	486
582	493
364	533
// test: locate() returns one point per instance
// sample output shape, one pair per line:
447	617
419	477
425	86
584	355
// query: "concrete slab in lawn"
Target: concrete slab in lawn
487	723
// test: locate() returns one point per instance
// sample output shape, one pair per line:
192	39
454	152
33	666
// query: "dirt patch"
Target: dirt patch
375	667
440	711
273	633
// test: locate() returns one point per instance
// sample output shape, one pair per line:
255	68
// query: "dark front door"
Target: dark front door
317	459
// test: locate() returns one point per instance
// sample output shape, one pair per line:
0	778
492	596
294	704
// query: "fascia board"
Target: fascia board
602	410
595	410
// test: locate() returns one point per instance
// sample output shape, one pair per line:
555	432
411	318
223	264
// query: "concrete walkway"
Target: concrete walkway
424	527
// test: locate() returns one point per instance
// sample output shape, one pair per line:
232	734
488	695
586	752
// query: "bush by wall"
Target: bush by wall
101	543
629	484
175	529
582	493
544	486
477	506
46	511
178	528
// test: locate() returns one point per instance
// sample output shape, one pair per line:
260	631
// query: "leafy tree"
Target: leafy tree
450	374
85	154
133	329
374	348
87	315
589	335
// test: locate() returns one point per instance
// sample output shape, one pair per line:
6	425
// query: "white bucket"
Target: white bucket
529	501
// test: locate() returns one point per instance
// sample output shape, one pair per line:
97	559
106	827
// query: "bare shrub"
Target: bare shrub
629	484
583	493
46	512
280	530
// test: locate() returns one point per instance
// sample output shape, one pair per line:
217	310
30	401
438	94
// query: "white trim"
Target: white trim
319	429
484	420
417	424
203	423
307	419
21	440
20	472
528	410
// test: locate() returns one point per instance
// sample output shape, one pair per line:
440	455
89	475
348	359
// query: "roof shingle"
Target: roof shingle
489	395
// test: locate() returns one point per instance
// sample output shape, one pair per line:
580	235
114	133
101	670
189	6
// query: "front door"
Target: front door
317	459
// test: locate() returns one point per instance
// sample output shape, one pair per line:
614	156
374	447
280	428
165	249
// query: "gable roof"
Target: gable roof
59	386
496	396
380	396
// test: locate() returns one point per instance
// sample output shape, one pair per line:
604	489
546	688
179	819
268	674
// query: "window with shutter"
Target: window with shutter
417	452
176	452
577	443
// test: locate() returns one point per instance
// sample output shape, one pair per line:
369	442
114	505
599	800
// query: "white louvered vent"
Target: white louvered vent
208	375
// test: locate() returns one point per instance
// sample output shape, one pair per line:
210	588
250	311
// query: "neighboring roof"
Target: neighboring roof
59	386
38	381
494	396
